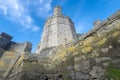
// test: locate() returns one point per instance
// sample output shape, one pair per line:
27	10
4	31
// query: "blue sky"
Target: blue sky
24	19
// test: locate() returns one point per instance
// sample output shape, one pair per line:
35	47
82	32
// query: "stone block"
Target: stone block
81	76
103	59
1	50
97	72
27	47
3	34
96	23
4	39
21	47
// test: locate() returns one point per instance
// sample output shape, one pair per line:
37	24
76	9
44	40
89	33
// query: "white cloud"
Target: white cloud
39	7
19	11
40	1
3	9
36	28
83	25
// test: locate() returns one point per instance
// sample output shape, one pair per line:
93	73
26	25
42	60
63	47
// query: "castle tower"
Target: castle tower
58	30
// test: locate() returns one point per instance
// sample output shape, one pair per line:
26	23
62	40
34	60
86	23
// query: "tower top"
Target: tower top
57	11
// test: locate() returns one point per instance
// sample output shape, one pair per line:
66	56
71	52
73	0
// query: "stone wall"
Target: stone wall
21	47
88	58
56	31
10	52
95	56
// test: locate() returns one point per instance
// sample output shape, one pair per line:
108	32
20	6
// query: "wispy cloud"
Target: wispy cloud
39	7
20	11
83	25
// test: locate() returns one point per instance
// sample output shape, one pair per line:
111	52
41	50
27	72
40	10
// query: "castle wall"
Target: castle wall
58	30
66	32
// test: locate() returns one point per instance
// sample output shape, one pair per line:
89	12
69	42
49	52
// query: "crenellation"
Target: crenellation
57	11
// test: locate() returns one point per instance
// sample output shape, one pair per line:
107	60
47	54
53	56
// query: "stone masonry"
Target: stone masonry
58	29
95	55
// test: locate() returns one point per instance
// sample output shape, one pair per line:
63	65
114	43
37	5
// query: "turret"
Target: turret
57	11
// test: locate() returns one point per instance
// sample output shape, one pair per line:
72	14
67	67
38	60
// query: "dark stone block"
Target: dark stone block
4	39
3	34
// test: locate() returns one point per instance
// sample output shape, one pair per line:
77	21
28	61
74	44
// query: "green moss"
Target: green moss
68	78
113	73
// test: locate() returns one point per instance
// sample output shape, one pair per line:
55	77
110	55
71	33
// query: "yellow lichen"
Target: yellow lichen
95	36
2	64
9	55
87	49
116	34
77	59
20	59
117	25
71	48
75	53
101	42
88	41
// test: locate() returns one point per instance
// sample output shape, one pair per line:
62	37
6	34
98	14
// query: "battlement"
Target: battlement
57	11
57	14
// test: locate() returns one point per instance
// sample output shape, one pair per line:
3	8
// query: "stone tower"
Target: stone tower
58	29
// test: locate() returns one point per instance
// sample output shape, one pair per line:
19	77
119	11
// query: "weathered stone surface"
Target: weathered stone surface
95	56
27	47
56	31
5	61
21	47
81	76
97	23
97	72
103	59
1	50
4	39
